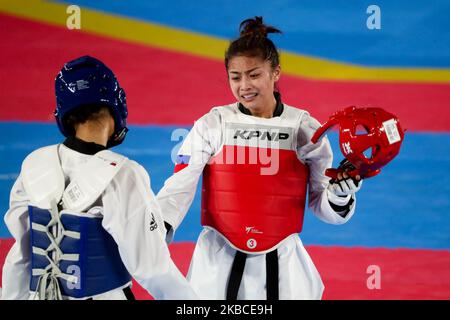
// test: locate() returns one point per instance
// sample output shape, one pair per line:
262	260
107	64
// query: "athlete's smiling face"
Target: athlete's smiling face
252	81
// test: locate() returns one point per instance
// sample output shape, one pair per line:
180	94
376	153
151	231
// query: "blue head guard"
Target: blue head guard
87	81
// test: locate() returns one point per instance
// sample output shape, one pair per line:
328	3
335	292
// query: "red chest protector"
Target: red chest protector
254	189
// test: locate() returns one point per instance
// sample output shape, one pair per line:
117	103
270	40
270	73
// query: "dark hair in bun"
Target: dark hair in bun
253	42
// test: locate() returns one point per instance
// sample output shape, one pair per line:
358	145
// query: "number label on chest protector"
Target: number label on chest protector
251	243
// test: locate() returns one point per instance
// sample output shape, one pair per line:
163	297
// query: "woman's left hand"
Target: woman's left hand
345	185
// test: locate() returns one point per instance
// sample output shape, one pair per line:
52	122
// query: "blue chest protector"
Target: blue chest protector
87	262
72	254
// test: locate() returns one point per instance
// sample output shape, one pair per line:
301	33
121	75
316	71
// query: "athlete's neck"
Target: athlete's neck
97	131
266	111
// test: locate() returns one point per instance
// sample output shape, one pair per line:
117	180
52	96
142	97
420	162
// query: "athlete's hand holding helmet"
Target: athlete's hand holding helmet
369	138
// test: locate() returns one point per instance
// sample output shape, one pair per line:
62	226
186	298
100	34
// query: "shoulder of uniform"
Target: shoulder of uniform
297	115
133	168
44	150
213	117
306	119
41	153
112	155
290	110
229	108
311	122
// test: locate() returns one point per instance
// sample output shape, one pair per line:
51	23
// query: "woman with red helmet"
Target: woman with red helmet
258	165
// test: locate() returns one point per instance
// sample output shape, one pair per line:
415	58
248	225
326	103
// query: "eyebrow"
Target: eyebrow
248	71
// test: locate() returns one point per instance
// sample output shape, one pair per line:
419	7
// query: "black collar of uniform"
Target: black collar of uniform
276	113
81	146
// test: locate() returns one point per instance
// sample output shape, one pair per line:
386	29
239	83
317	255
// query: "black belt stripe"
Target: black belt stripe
237	271
272	287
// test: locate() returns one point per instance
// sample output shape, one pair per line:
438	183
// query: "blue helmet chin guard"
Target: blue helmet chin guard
88	81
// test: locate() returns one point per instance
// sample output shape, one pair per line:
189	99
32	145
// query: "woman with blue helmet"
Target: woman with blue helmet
84	218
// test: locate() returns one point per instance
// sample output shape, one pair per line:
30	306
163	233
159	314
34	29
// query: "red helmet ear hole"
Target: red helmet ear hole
371	152
361	130
368	153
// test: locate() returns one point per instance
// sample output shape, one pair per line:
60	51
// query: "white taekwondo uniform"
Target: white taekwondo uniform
107	228
228	128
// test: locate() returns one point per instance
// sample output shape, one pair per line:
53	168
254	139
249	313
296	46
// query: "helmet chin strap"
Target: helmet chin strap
344	166
117	138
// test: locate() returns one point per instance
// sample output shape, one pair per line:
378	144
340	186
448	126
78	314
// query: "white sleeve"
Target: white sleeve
133	218
178	192
319	157
16	269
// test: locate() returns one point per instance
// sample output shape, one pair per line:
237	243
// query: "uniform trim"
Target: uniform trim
276	113
81	146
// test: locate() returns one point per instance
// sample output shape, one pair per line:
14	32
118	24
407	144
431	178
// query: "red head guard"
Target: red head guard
369	138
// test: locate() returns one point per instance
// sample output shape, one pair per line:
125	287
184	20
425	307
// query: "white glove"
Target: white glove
344	187
340	193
